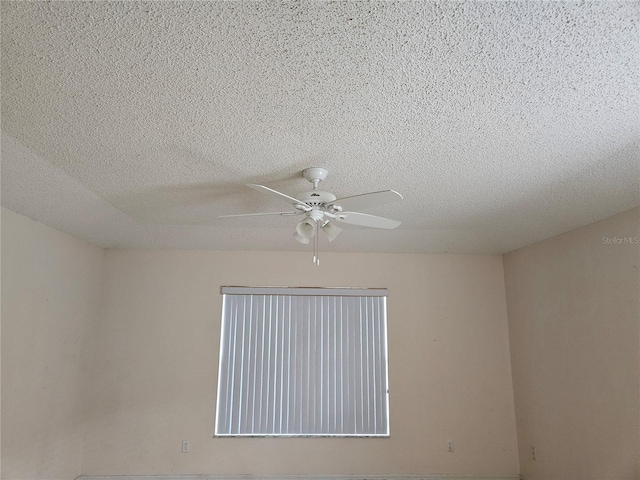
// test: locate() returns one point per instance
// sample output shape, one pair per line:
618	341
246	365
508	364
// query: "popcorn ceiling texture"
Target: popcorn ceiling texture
135	124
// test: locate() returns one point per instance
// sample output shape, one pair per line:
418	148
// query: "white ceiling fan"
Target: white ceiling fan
322	210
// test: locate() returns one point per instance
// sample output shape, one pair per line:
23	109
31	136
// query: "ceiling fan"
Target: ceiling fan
322	210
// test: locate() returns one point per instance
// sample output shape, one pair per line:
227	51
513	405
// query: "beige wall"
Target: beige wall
51	285
109	358
155	370
573	304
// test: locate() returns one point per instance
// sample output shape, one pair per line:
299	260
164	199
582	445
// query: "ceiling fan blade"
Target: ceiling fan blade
284	214
365	220
367	200
279	195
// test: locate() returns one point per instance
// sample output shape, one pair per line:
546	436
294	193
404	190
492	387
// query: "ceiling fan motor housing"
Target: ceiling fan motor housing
316	197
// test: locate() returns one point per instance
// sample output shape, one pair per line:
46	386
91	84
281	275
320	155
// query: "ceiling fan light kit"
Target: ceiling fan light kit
331	230
307	227
322	209
300	238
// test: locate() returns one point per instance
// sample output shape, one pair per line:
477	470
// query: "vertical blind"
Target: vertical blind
301	361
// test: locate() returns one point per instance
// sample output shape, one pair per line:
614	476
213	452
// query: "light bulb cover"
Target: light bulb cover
331	230
306	228
300	238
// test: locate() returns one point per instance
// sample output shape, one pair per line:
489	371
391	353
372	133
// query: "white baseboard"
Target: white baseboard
300	477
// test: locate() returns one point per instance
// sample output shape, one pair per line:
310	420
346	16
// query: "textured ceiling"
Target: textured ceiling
137	124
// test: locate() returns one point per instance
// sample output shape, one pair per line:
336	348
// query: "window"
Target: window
303	362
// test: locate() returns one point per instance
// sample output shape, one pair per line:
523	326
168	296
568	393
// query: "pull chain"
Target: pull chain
316	257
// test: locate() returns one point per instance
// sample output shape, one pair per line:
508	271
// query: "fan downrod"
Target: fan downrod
315	175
